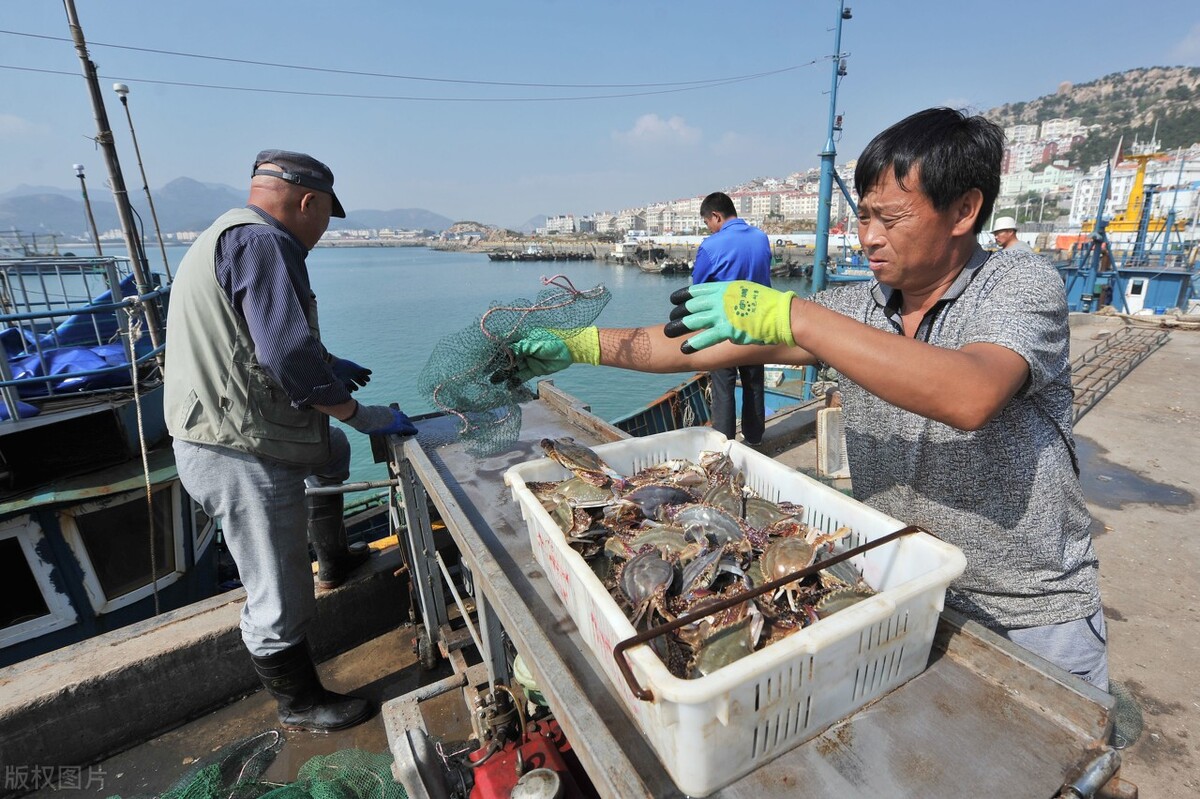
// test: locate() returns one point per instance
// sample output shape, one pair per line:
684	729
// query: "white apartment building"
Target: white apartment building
631	219
1062	128
1056	178
562	223
791	206
607	223
764	204
1021	134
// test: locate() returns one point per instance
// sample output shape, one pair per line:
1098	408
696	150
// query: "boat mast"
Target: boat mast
825	195
104	138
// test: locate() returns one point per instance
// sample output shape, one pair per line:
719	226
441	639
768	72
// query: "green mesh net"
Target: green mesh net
236	772
458	378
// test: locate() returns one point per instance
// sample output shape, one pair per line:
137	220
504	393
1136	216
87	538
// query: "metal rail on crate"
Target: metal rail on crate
654	632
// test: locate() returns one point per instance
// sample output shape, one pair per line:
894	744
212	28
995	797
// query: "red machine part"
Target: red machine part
544	746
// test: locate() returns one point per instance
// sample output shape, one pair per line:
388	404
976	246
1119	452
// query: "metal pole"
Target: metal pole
123	92
828	156
104	138
87	204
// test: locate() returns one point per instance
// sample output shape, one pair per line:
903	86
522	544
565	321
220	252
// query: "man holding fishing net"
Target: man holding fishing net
249	393
956	380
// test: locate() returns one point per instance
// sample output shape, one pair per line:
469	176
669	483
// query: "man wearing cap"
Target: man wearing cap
1005	233
249	392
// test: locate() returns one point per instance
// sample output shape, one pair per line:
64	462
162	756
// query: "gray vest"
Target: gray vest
216	392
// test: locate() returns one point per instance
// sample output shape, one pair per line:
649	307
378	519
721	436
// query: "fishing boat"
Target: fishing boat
689	403
664	266
95	529
1135	262
635	251
847	271
537	253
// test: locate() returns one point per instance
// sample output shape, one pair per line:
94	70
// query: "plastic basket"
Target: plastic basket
710	731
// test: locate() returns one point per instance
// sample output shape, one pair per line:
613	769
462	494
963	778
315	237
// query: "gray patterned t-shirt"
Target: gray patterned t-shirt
1008	494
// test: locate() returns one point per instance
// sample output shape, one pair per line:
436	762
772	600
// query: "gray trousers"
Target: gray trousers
264	521
724	404
1080	646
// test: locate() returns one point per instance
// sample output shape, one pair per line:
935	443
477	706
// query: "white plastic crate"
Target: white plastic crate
709	731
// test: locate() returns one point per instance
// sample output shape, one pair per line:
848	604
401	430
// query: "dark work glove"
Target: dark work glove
379	420
350	373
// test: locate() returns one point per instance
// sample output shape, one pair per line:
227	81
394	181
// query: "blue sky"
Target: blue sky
502	154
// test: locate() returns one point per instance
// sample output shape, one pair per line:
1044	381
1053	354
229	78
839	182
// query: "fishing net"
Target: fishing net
236	772
460	377
1126	716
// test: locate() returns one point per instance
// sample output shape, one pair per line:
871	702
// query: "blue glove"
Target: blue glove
378	420
350	373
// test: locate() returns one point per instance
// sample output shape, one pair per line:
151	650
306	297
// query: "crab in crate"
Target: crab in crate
581	460
718	526
668	540
644	580
794	546
677	535
678	472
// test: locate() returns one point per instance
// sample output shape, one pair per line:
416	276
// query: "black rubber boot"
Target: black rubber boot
327	532
304	704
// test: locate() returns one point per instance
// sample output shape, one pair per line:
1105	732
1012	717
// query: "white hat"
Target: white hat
1005	223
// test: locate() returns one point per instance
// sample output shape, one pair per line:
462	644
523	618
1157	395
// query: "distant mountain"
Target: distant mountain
1130	104
186	204
532	224
399	218
25	189
182	205
52	213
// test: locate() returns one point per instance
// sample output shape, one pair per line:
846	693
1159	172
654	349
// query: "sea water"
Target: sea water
386	308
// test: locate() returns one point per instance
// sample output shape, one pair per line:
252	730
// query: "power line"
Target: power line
691	83
343	95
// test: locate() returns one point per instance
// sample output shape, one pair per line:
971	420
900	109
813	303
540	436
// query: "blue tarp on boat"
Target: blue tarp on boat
69	350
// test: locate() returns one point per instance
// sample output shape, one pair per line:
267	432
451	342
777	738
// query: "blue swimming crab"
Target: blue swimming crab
676	471
793	552
840	599
581	460
725	636
652	499
718	526
644	580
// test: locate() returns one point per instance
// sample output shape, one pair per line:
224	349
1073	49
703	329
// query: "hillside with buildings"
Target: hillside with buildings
1155	102
1053	166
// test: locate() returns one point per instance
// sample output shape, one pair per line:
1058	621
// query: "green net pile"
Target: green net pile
237	773
464	376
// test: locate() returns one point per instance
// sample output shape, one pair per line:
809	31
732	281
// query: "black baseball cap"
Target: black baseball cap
302	170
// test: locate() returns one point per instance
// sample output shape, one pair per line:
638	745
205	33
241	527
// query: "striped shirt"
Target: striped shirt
261	270
1008	494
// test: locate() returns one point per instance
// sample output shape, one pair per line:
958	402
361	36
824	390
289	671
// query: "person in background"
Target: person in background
1005	232
734	250
955	379
248	397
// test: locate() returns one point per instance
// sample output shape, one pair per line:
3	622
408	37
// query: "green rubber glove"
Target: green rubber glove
739	311
545	351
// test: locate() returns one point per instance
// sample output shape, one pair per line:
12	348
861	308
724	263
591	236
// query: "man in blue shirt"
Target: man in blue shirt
736	250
